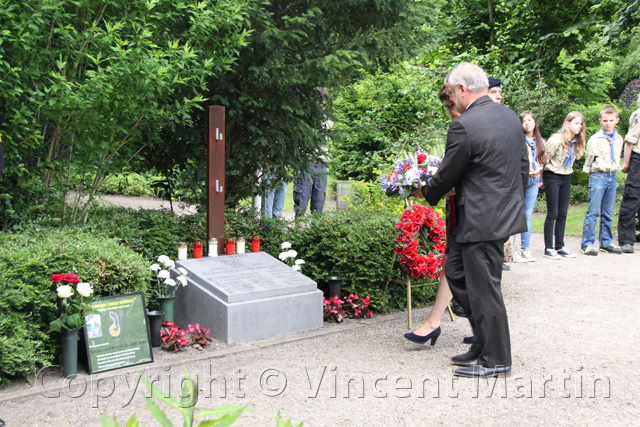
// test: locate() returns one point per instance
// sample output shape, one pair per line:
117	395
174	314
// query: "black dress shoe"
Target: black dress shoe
433	336
506	267
458	310
468	340
466	358
479	371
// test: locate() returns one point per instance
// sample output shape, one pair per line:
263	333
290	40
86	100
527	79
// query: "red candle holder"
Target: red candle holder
231	246
197	250
255	244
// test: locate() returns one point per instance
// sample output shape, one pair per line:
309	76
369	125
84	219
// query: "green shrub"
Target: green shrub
579	194
130	184
150	233
357	246
27	260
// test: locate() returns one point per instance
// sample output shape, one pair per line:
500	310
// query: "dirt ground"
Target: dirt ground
574	333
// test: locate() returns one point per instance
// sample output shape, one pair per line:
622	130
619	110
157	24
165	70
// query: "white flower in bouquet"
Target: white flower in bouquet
84	289
165	285
163	259
64	291
289	257
285	245
408	174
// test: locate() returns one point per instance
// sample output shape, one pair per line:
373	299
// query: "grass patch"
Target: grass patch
575	219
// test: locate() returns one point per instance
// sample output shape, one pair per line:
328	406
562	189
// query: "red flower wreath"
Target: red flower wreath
413	222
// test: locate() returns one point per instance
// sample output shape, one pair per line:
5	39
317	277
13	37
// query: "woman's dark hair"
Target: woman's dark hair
540	142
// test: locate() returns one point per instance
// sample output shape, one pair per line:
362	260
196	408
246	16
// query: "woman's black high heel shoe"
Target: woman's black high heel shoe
433	336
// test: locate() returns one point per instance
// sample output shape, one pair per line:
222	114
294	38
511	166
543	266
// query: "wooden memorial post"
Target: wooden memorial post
215	175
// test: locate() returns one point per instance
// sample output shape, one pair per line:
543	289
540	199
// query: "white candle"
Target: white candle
182	250
213	247
240	245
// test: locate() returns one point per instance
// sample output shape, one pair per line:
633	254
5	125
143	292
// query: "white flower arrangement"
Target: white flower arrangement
166	286
289	257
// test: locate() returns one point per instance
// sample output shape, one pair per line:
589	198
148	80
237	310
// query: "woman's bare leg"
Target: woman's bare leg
443	298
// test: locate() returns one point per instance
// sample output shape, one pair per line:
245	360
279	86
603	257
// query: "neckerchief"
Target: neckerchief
569	160
610	138
532	144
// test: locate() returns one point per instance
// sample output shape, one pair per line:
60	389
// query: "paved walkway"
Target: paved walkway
575	331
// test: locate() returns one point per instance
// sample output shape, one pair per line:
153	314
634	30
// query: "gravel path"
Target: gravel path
574	332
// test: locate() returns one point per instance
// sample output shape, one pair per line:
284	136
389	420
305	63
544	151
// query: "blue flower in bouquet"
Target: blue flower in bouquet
409	174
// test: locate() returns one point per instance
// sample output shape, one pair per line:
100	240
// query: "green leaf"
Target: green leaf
108	422
157	413
224	421
132	422
55	326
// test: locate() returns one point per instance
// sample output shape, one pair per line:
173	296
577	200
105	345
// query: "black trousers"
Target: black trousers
474	272
557	189
630	203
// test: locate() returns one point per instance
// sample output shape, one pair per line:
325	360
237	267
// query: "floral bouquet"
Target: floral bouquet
410	173
289	257
166	285
74	304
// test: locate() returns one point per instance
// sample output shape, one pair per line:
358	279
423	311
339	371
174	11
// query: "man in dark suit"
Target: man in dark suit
486	162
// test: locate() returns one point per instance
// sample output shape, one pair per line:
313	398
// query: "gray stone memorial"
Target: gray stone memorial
247	297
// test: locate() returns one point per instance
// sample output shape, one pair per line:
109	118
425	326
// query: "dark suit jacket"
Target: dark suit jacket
486	161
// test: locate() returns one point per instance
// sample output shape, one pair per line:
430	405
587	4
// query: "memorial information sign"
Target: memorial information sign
117	336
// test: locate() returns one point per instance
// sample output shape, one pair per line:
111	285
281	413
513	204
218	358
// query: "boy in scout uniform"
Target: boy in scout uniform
602	160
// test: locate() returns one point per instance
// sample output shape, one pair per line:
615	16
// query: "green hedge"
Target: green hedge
356	244
27	260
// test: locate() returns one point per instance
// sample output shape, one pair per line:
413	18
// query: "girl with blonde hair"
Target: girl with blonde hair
563	148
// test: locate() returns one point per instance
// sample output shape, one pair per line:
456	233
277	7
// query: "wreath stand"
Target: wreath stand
407	281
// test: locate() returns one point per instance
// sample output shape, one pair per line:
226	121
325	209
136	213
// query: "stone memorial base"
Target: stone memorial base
247	297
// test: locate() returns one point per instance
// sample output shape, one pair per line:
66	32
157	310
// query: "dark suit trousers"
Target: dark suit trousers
474	271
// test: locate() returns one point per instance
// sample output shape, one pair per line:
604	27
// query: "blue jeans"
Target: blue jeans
311	186
602	198
273	201
529	204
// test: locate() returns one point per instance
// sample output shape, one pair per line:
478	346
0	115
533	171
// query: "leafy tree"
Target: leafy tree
273	111
88	80
385	114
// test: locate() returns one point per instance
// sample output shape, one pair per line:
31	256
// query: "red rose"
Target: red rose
422	158
56	278
70	278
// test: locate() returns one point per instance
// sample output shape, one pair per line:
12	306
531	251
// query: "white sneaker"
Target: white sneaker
566	253
518	258
551	254
526	255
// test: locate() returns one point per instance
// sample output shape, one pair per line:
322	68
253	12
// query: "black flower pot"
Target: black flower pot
155	324
335	286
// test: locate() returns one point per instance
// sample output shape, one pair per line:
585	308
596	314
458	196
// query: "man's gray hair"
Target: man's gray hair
469	75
